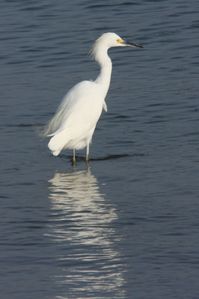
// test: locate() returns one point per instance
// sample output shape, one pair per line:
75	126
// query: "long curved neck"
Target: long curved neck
104	76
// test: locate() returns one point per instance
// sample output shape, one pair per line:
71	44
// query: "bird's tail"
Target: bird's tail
58	142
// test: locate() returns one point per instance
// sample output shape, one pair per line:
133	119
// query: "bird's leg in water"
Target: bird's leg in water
74	157
87	153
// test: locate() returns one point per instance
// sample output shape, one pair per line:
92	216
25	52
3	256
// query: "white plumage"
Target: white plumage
76	118
73	125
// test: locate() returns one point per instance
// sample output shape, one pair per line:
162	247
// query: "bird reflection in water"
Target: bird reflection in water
82	228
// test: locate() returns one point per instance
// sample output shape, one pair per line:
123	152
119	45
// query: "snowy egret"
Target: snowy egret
73	124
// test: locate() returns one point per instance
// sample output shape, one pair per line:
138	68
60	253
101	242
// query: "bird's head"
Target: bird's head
109	40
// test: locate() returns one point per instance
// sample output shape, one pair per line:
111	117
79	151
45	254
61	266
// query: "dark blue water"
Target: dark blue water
127	227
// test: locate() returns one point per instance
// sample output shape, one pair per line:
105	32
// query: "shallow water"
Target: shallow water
127	226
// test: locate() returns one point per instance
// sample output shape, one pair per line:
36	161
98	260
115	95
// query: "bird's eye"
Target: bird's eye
120	41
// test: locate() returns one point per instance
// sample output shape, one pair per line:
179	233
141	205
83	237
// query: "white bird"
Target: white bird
73	124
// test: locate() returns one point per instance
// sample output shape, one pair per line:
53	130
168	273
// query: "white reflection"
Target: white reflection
82	227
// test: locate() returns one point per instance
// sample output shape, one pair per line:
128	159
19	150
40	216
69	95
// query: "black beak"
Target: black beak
128	44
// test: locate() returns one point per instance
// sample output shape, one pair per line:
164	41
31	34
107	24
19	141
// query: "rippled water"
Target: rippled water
128	226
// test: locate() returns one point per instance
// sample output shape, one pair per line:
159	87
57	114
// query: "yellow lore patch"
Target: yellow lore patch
120	41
